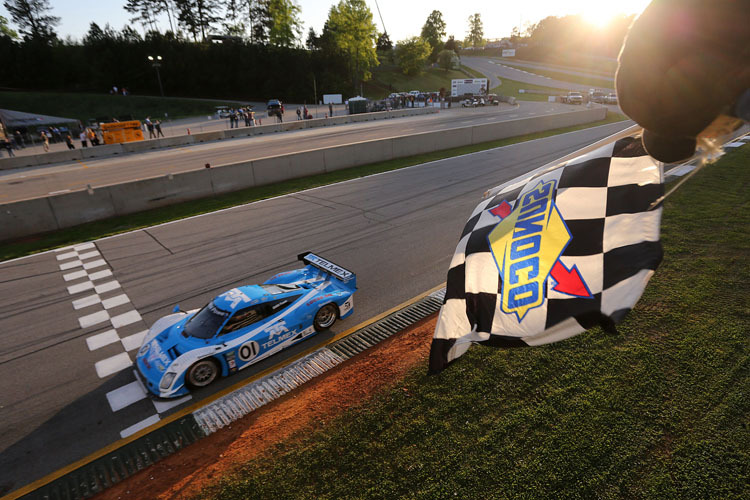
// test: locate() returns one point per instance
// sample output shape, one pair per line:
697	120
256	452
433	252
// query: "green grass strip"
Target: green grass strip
83	106
660	411
115	225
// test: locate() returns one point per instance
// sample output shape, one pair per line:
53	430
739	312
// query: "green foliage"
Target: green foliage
286	27
6	31
433	32
241	70
658	412
476	31
412	55
353	32
446	59
33	19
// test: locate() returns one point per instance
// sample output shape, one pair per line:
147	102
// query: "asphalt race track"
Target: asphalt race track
18	184
71	319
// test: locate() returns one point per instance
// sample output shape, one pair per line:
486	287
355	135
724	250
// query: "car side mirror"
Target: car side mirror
176	308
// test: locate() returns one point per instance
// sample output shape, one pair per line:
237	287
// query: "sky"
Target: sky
402	19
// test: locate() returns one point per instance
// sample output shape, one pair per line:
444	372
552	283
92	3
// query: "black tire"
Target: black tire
202	373
325	317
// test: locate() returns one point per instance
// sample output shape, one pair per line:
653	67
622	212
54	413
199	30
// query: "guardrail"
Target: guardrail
37	215
216	135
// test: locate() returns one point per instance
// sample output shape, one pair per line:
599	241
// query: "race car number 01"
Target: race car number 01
249	350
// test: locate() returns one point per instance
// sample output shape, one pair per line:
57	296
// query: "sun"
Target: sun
597	18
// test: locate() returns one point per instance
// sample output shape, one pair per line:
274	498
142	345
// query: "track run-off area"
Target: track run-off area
73	318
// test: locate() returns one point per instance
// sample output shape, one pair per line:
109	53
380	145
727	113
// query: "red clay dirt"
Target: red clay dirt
183	474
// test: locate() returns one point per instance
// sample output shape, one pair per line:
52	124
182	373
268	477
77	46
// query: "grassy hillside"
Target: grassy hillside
85	106
387	78
660	411
511	88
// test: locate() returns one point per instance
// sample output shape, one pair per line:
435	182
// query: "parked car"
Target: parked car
492	99
222	112
469	103
611	98
187	350
597	96
573	98
274	108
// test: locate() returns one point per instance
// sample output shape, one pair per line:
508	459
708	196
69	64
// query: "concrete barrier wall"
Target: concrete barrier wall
26	217
38	215
232	177
105	150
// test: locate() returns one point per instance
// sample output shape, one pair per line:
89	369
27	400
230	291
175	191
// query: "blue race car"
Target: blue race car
243	326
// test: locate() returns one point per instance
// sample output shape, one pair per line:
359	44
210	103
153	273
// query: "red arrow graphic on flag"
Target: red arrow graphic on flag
569	281
502	210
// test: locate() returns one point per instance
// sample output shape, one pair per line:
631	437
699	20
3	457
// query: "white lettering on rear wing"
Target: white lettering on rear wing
327	266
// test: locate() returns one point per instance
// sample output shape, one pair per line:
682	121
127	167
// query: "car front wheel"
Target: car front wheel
325	317
202	373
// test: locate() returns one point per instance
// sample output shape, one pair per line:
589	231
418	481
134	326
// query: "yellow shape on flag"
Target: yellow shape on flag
525	245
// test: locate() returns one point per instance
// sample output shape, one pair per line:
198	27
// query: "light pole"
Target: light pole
156	64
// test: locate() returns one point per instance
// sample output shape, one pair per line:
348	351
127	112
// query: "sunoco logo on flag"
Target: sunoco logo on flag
549	256
527	245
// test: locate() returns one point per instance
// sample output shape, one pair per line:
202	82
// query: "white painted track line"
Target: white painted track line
140	425
125	396
107	367
133	342
101	339
125	319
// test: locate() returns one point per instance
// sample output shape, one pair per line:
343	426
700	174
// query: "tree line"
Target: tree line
252	49
263	58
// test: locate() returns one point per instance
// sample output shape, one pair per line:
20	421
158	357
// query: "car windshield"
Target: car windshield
206	322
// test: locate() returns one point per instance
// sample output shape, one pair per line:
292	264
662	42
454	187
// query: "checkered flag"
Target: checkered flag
554	254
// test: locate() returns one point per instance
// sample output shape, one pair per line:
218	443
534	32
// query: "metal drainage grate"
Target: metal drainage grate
370	335
239	403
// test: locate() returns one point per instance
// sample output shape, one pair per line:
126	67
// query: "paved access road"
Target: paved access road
71	320
40	181
496	71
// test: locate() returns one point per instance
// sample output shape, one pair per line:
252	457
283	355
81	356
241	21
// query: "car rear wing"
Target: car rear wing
338	272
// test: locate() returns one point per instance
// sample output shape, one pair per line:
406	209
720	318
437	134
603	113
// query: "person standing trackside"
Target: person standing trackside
84	139
299	114
150	127
157	126
9	147
330	109
45	142
69	141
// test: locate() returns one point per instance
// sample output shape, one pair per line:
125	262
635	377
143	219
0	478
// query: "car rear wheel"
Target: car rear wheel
325	317
202	373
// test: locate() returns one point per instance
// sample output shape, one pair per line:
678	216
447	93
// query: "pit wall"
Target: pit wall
28	217
216	135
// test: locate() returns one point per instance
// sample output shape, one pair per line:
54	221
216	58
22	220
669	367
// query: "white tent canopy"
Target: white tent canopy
18	119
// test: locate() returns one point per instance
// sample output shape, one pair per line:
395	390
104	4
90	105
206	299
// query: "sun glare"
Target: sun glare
598	18
599	14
